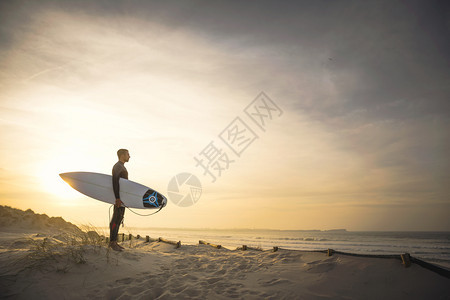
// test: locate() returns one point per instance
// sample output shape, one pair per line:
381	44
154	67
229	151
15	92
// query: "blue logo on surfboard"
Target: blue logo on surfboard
153	199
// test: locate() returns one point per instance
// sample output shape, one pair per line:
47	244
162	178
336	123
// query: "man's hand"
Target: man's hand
118	203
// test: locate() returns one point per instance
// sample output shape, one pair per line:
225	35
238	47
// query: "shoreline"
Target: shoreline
160	270
48	258
405	258
312	241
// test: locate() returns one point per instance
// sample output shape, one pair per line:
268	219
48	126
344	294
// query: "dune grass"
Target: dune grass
63	251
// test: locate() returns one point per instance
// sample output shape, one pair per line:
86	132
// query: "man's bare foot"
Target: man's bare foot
115	246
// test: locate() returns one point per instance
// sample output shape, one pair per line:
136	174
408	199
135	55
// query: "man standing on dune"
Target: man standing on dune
118	171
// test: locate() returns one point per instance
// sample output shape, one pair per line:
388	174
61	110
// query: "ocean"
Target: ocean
433	247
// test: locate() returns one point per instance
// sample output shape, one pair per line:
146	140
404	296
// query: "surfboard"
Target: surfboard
99	186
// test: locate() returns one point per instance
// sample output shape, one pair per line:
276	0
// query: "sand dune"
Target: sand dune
14	220
67	264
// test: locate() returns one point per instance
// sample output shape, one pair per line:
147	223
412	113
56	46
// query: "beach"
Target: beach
48	258
433	247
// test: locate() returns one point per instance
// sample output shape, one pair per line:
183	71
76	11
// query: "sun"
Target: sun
50	181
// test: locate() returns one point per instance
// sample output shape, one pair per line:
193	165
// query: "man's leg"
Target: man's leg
115	223
120	214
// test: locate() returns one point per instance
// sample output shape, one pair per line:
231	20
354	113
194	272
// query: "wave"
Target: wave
290	239
417	244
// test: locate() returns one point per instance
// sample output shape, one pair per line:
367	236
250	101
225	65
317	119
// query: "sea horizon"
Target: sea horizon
266	229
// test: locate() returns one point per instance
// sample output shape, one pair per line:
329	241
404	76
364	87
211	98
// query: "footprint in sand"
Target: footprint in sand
220	272
187	277
274	281
319	266
127	280
213	280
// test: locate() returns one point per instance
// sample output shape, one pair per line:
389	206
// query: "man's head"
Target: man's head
123	155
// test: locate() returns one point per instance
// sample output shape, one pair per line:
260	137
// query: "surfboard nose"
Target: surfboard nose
67	177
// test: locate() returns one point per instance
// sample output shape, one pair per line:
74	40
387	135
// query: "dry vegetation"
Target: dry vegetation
61	246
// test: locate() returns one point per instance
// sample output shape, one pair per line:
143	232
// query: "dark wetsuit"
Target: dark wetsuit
118	171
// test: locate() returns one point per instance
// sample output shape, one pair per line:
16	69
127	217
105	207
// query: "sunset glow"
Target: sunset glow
362	142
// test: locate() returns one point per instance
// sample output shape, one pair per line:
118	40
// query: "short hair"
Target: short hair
121	152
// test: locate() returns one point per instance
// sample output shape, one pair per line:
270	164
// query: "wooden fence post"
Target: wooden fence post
209	244
406	259
177	244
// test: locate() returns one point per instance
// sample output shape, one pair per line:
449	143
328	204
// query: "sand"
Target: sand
59	262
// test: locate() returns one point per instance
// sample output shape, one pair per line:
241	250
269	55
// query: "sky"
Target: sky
360	139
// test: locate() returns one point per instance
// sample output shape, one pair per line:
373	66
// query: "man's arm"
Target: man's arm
116	187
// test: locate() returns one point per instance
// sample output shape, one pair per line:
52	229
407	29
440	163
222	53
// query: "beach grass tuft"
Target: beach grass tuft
62	251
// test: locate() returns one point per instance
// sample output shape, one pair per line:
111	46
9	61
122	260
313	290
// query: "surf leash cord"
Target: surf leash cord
141	214
134	211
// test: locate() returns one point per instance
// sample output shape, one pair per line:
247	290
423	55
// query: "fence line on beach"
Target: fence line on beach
406	258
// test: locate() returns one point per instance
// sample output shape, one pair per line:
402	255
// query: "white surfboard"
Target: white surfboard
99	186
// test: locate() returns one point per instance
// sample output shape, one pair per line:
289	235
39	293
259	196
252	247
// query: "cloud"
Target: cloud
364	87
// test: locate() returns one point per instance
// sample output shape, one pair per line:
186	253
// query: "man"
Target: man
118	171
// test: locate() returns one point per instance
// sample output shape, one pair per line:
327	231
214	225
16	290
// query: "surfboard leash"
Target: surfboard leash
141	214
132	212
